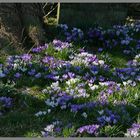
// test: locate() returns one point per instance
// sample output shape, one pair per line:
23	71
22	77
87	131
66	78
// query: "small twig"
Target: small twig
45	5
51	11
44	8
24	40
31	49
22	33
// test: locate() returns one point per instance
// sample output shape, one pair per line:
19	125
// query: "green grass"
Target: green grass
115	57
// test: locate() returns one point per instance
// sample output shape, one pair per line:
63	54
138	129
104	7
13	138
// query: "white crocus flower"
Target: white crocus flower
40	113
49	110
101	62
84	114
49	128
94	87
101	112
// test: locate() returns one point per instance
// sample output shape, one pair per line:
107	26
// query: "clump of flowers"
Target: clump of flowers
134	131
131	72
90	129
78	107
76	88
85	59
52	130
59	45
107	117
39	48
5	103
74	34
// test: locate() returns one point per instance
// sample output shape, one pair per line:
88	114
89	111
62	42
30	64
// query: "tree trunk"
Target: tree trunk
20	23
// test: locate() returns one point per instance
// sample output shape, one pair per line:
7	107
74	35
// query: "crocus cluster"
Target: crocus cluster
134	131
73	34
107	117
131	73
118	36
39	48
5	103
52	129
90	129
59	45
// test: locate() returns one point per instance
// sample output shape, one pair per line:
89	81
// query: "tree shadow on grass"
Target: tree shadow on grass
21	119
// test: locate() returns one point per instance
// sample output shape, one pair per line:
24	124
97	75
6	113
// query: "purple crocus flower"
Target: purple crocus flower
49	76
59	45
46	68
39	48
2	74
48	59
26	57
6	71
101	78
94	69
65	76
110	91
126	51
69	38
45	133
38	75
88	105
71	75
64	27
17	75
92	59
92	80
125	42
81	50
6	102
138	78
77	68
100	49
31	72
103	99
57	129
